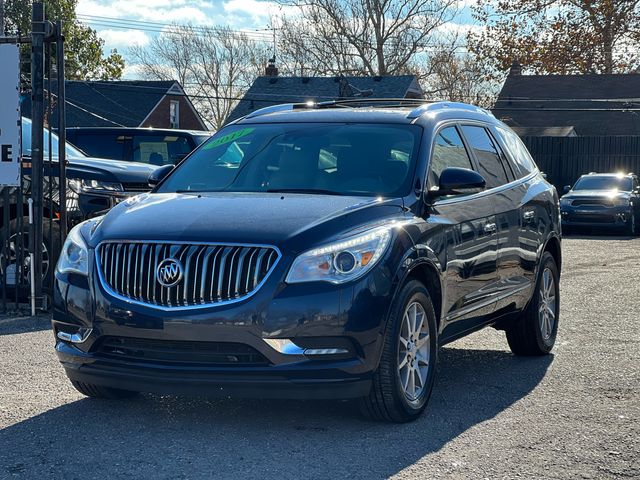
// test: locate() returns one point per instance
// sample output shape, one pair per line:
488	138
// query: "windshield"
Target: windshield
609	182
71	151
340	159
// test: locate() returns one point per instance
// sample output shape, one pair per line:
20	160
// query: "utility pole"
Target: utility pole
62	130
38	33
1	18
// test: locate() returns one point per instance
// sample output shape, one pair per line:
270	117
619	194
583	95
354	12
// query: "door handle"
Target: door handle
490	228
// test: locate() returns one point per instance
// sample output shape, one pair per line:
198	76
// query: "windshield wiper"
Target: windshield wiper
317	191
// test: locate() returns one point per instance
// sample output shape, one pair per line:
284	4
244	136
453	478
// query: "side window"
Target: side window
448	151
102	145
489	163
519	152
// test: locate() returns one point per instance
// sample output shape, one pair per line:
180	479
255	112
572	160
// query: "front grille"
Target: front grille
592	201
179	352
136	187
211	274
586	218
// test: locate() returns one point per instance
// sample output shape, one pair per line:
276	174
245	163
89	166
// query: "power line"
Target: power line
260	35
169	28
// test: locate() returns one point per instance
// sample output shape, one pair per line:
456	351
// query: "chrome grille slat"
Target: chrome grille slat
212	273
256	269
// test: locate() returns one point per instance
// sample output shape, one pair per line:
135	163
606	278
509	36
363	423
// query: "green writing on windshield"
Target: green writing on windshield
231	137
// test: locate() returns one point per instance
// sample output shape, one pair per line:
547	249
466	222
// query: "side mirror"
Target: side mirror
158	174
457	181
566	189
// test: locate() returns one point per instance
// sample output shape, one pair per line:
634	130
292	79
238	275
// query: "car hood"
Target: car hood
595	194
293	221
109	170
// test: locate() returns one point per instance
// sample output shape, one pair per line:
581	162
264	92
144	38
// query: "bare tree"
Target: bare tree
360	37
459	76
214	64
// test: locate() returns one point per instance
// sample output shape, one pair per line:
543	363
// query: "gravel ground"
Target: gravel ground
573	414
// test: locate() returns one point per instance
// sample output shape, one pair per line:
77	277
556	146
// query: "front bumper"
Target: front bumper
326	314
614	217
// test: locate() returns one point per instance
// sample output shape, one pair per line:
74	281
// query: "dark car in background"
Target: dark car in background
602	201
94	185
153	146
321	251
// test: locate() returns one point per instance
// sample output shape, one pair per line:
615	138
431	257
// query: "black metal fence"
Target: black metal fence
33	222
564	159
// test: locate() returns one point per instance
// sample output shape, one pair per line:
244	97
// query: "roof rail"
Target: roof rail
430	107
346	102
367	101
272	109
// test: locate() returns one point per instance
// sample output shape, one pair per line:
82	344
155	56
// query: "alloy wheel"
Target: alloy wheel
547	304
414	351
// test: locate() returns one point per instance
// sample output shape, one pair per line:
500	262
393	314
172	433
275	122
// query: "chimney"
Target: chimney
271	70
516	68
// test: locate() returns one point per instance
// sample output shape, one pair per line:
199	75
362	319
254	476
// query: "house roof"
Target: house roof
109	103
267	91
116	103
591	104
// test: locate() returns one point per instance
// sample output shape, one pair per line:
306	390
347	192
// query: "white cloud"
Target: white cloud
145	10
256	12
124	38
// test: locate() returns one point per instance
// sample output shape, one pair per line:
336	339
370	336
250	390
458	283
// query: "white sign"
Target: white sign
9	115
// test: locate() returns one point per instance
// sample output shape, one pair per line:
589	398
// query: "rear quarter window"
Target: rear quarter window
518	152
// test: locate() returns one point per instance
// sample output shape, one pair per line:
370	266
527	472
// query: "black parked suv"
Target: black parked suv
154	146
602	200
315	252
94	185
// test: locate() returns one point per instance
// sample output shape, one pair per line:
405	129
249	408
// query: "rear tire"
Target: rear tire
404	379
98	391
534	332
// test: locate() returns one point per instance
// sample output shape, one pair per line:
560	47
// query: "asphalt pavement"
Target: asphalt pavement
572	414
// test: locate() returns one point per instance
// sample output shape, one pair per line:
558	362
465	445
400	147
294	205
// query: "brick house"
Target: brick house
129	103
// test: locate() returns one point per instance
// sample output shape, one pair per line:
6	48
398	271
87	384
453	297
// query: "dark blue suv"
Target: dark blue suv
315	251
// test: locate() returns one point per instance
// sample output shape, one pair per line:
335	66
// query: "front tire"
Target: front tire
98	391
404	379
534	333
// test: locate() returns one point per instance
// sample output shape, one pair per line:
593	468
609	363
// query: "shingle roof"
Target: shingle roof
106	104
591	104
267	91
125	103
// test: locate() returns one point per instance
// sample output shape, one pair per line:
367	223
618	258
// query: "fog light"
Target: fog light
325	351
78	337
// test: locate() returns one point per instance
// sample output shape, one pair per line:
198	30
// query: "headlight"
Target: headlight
74	256
341	261
94	186
621	201
565	202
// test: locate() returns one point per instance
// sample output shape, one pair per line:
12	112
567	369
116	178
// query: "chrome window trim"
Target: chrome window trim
506	186
131	301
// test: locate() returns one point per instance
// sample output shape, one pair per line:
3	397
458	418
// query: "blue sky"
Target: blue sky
248	15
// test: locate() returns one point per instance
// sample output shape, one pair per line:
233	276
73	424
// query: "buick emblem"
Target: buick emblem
169	272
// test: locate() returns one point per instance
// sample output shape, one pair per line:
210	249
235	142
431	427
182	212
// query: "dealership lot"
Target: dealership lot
574	414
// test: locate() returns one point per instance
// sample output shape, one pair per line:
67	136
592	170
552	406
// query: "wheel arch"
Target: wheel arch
429	275
554	248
